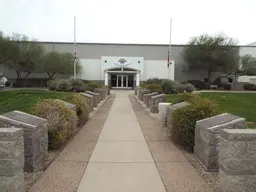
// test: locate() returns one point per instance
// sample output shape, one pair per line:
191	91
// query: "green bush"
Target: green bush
249	87
169	86
91	86
78	85
61	121
188	97
153	81
51	85
63	85
184	120
154	88
82	108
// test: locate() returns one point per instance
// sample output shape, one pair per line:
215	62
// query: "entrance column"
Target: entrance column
138	79
106	78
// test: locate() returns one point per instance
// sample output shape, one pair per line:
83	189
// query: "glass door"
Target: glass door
119	81
125	81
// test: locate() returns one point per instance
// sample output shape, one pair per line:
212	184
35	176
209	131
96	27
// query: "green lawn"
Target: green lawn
22	100
241	104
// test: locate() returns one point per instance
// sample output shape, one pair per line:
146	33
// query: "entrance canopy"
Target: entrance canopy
122	70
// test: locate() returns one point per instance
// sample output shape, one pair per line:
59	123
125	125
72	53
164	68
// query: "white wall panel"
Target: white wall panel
91	69
157	68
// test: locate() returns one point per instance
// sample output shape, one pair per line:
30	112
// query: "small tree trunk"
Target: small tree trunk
209	77
50	75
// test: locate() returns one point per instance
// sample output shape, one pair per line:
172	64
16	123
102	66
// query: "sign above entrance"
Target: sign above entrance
122	62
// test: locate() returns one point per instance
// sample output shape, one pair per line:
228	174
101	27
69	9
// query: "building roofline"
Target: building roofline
126	44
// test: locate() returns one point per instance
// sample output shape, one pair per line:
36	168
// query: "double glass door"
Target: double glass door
122	81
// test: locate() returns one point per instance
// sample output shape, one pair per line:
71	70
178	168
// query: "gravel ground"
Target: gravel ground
32	177
210	178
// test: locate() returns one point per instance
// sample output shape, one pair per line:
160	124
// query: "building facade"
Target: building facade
126	65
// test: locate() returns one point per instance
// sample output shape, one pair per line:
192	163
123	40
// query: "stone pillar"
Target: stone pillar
155	100
12	160
162	112
237	160
106	78
89	99
35	134
207	138
138	79
146	98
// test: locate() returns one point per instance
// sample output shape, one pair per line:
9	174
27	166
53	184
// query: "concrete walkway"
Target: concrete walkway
121	160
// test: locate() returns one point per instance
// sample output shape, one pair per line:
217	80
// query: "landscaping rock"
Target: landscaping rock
162	114
96	98
136	90
90	100
147	97
142	92
155	100
207	134
237	160
12	160
101	92
68	105
35	134
170	110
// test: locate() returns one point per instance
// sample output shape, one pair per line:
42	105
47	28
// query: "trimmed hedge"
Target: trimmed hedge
184	119
62	122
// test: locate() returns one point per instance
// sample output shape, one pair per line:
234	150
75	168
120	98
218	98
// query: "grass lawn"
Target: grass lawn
22	100
241	104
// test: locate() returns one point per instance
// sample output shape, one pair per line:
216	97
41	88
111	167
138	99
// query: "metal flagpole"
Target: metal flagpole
74	47
170	52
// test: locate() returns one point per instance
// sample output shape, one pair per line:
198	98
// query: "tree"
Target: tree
248	65
23	55
59	63
212	53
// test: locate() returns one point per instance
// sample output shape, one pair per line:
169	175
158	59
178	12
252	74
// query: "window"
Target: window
230	80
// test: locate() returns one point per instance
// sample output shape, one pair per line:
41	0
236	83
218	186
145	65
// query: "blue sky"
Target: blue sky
133	21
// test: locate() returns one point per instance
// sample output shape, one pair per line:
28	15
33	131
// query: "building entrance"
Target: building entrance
122	81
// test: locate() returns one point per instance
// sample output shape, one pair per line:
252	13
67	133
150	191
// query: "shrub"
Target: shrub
189	87
61	121
184	120
86	81
82	108
249	87
154	88
185	97
153	81
78	85
63	85
51	85
198	84
169	86
91	86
